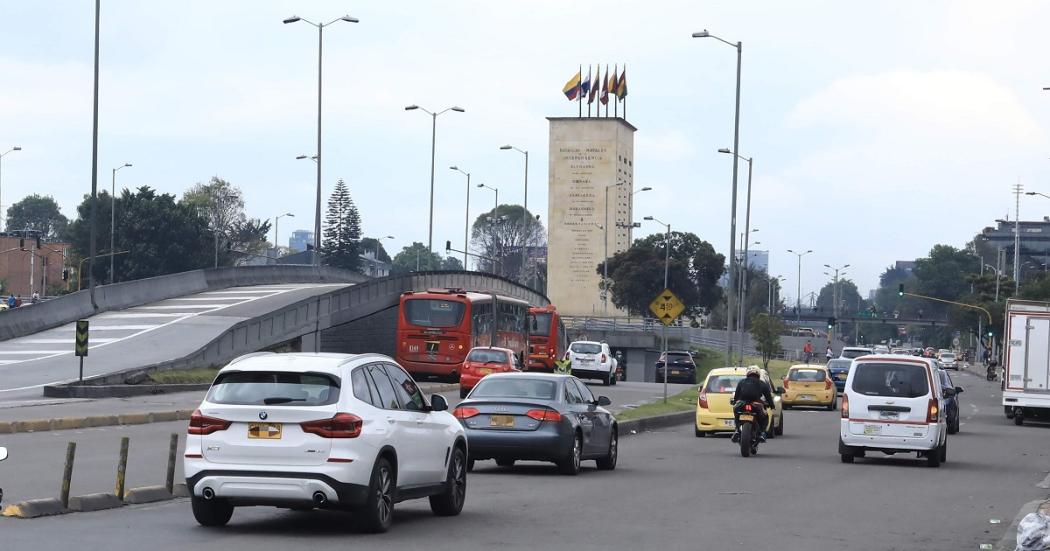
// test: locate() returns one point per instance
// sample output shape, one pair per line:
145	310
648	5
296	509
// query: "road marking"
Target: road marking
119	328
180	306
56	341
28	352
138	315
202	299
1045	484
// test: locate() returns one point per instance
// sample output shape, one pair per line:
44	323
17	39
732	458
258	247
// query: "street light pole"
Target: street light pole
113	220
525	210
798	297
378	242
433	153
747	232
276	236
466	218
605	263
667	265
493	220
317	203
732	214
15	148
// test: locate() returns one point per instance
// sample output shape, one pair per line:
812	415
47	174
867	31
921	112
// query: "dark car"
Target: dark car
680	366
538	417
951	400
839	368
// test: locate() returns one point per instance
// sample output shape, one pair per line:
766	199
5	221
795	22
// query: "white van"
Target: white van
893	404
850	352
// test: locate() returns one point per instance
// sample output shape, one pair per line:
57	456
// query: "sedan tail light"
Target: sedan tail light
544	415
845	406
933	411
702	400
202	424
465	412
342	425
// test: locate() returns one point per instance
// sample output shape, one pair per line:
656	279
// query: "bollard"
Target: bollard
173	449
67	474
122	467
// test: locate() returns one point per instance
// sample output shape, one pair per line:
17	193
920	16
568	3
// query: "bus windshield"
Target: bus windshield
427	312
540	325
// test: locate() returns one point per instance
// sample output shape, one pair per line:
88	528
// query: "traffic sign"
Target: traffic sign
81	346
667	307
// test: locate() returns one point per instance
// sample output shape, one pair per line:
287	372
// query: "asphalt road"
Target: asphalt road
35	467
670	491
137	336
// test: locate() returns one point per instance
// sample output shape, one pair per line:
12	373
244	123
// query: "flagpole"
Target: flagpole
606	86
616	94
589	82
625	96
579	90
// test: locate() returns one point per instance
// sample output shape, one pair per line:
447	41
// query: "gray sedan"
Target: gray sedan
538	417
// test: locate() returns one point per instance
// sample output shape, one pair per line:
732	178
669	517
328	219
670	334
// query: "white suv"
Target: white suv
334	431
893	404
592	360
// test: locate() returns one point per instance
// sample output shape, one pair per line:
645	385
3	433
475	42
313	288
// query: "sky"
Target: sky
878	129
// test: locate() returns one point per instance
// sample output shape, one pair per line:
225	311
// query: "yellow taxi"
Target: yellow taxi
713	412
809	385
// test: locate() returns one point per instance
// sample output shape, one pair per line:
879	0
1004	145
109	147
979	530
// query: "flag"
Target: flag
594	87
605	88
621	86
572	88
585	86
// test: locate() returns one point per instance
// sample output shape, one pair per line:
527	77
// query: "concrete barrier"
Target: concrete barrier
35	508
94	502
147	494
656	422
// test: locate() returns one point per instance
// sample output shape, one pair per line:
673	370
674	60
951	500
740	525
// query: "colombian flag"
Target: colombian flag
621	87
572	88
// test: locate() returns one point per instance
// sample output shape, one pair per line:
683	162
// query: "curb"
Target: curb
655	422
34	508
1009	540
94	502
73	423
147	494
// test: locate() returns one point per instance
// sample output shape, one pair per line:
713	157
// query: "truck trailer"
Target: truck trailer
1026	361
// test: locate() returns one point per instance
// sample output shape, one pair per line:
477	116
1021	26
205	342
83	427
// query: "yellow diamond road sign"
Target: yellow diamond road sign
667	307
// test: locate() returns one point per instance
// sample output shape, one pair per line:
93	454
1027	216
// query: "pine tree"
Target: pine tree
342	233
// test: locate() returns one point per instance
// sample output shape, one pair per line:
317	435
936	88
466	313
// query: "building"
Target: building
372	267
1034	244
25	268
589	159
300	239
758	260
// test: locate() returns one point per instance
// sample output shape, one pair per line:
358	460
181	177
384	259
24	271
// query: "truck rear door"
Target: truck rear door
1037	353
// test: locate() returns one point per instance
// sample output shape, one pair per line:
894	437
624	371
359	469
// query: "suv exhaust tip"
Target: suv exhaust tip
208	493
320	498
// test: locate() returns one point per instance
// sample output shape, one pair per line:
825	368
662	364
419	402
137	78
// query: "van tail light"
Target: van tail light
827	384
786	385
845	406
465	412
933	411
702	400
544	415
202	424
342	425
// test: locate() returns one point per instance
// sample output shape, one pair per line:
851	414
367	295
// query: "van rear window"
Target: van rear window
891	380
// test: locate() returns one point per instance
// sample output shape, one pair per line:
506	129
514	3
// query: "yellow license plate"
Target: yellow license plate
484	371
504	421
841	376
747	417
872	430
265	431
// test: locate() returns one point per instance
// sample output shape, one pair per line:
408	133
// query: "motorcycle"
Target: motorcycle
747	427
992	371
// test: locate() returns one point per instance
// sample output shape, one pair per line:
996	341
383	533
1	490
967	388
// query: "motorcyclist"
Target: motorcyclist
752	389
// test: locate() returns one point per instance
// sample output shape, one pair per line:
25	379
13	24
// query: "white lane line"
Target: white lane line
135	315
119	327
57	341
178	307
210	298
29	352
242	292
3	362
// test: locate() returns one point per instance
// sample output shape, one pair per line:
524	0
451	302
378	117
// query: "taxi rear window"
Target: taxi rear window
723	383
807	375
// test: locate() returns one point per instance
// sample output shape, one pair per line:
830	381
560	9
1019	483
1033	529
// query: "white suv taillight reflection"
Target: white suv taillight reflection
202	424
343	425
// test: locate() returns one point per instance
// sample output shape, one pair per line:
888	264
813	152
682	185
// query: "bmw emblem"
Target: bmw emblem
262	415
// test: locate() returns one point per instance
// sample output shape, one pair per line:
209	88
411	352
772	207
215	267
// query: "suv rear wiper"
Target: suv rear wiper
281	400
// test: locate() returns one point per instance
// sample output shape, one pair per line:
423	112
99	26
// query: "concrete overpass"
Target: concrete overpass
207	317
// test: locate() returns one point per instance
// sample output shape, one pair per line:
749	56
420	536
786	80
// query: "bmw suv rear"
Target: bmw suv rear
334	431
680	368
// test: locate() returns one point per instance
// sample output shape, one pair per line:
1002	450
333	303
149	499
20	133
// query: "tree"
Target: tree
39	213
368	245
766	331
451	263
342	233
502	239
247	238
221	204
413	258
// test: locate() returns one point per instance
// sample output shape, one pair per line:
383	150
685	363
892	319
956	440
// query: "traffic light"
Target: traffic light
900	290
448	246
989	333
831	323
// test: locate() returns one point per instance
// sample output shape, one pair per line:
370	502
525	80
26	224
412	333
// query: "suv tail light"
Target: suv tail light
933	411
202	424
342	425
604	358
544	415
701	401
845	406
828	384
465	412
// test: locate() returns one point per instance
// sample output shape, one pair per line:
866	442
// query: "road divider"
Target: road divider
76	423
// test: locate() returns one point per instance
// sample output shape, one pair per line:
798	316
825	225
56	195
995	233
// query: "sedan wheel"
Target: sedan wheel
608	462
571	464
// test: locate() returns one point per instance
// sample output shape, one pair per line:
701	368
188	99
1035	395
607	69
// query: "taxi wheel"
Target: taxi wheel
699	433
831	406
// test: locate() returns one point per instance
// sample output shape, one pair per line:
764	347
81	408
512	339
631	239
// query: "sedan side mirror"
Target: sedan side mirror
958	390
3	454
603	401
438	403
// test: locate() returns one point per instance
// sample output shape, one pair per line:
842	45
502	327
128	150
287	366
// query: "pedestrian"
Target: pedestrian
829	354
36	298
18	301
807	351
11	301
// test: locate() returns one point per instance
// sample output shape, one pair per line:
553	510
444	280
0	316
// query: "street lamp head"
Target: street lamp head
289	214
648	218
349	19
646	188
481	185
298	157
127	164
411	107
725	150
791	251
291	19
701	34
846	266
458	109
1030	193
389	237
506	147
16	148
809	251
453	167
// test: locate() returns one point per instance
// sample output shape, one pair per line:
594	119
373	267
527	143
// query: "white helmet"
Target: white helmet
753	372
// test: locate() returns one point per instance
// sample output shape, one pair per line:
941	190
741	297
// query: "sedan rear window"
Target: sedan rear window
513	387
854	353
483	355
807	375
586	348
274	388
839	364
723	383
894	380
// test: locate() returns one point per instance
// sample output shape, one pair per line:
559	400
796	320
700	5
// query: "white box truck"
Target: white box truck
1026	360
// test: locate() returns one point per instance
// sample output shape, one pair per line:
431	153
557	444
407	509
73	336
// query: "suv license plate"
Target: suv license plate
265	431
872	430
503	421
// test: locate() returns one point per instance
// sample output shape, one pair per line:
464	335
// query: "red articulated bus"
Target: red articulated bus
547	338
437	328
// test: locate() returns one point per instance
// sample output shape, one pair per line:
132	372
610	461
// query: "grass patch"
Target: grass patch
683	401
200	375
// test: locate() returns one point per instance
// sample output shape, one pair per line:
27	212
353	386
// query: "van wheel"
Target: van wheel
933	457
377	514
211	512
846	458
944	452
606	379
1018	419
1009	412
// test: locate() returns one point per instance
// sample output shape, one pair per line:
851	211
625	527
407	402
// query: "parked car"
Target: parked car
680	367
713	412
880	349
483	360
809	385
592	360
850	352
541	417
948	360
839	368
336	431
893	405
951	400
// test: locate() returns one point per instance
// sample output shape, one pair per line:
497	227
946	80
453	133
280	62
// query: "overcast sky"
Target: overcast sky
878	128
